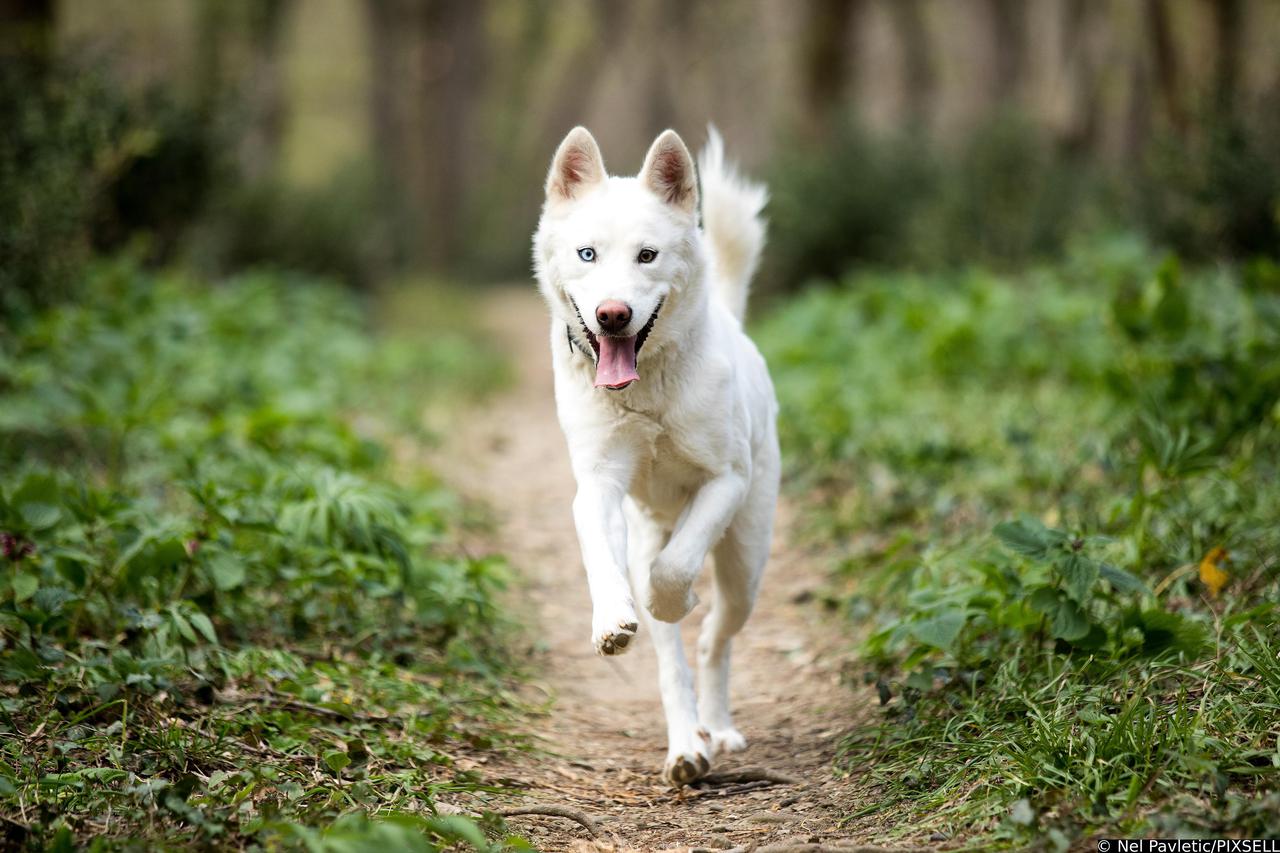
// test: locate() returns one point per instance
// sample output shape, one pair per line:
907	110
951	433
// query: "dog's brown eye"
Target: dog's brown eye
647	256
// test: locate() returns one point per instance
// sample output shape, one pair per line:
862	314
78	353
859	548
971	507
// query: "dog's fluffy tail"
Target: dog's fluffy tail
731	208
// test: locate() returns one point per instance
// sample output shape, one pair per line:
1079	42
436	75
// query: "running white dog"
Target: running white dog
667	407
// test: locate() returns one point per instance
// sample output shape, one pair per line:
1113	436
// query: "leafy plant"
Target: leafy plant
213	584
1115	421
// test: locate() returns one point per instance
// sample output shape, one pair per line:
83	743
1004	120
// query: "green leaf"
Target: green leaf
336	760
1079	574
183	626
458	828
941	629
1163	631
226	570
37	501
1029	537
1123	581
25	585
1172	313
202	624
1069	621
39	515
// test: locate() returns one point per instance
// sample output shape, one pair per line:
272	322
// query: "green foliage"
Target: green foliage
1214	189
1023	477
83	167
337	229
1006	195
220	615
1002	196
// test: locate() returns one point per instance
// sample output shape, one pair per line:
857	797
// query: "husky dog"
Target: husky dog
667	407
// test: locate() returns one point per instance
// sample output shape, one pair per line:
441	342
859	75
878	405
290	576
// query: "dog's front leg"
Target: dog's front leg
699	528
602	535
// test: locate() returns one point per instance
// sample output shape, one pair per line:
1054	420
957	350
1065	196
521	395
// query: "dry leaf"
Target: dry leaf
1211	575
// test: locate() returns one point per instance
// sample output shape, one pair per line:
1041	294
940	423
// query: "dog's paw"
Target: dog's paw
672	606
685	767
671	595
614	641
613	630
726	740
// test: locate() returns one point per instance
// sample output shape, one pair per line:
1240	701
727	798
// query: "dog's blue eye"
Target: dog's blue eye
587	254
647	256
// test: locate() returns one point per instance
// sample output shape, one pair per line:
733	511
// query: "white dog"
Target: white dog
667	407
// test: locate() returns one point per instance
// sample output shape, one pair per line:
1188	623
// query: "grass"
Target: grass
1054	500
227	617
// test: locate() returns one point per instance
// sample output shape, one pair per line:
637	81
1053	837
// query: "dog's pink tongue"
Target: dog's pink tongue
616	367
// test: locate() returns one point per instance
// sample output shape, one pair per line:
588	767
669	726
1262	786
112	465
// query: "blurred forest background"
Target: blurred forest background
363	139
1024	274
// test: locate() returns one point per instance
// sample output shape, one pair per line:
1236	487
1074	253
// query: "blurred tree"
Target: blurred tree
1228	30
428	75
917	61
27	31
1168	73
265	91
827	75
1081	127
1009	42
451	79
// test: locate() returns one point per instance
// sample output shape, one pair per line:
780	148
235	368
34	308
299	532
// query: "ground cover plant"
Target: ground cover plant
226	618
1056	499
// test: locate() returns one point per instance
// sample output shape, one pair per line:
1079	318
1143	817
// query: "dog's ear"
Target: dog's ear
576	166
668	171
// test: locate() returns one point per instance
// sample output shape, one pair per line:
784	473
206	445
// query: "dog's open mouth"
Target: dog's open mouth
616	356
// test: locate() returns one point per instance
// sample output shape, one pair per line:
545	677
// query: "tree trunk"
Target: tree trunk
28	35
917	66
826	74
1009	37
451	67
1082	126
1228	32
1168	73
265	95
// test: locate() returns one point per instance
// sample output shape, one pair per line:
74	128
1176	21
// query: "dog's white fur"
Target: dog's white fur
684	462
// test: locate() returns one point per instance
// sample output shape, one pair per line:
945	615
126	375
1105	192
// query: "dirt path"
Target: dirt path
604	735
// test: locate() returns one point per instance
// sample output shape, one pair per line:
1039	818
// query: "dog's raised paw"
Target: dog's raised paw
615	640
726	740
684	768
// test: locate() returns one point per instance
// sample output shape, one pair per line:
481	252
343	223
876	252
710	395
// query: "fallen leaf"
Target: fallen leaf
1211	575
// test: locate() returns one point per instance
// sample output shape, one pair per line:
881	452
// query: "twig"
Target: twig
747	774
554	811
290	704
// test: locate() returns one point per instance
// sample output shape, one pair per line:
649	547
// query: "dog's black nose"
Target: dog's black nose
613	316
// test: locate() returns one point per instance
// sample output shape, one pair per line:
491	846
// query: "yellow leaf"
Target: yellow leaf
1211	575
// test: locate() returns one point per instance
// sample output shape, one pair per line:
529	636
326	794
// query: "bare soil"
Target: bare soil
602	743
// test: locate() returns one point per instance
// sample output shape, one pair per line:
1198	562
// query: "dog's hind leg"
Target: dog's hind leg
740	558
688	752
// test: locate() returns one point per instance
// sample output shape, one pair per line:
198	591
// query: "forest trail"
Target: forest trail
603	739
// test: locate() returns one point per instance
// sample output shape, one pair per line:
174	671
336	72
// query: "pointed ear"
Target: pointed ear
576	166
668	172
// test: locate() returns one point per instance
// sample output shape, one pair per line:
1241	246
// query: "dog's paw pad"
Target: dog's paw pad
726	740
683	769
616	640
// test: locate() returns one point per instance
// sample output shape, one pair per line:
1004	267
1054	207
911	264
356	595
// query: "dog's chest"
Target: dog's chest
669	474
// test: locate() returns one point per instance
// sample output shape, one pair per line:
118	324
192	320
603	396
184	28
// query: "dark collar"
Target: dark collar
575	345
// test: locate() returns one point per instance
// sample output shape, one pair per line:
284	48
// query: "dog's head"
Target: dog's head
610	253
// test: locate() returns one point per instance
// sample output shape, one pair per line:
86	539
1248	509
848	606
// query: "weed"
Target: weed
1056	500
224	620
